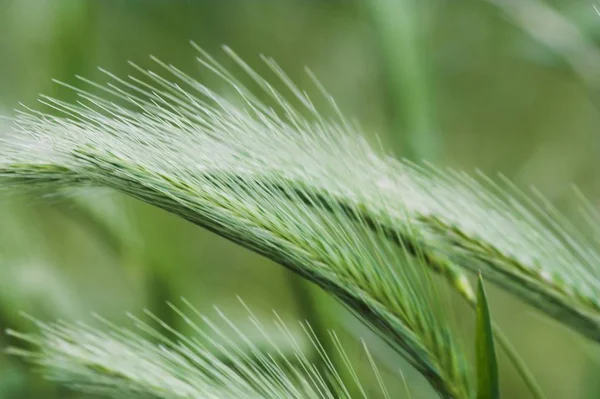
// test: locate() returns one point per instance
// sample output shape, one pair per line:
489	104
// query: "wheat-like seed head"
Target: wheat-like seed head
163	363
310	193
255	178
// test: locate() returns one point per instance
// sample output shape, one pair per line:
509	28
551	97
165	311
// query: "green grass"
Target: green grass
307	191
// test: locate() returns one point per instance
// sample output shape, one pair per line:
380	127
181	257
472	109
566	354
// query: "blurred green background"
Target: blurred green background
507	87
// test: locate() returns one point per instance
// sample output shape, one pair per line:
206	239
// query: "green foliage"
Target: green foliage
310	193
228	170
487	365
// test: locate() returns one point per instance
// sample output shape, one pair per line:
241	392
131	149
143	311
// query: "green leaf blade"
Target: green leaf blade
487	365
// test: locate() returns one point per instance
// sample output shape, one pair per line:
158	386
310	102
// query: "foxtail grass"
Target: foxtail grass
218	361
312	194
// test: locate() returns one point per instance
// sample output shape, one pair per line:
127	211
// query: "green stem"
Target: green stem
401	27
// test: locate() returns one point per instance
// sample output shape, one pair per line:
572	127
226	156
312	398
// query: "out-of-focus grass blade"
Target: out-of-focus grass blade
487	366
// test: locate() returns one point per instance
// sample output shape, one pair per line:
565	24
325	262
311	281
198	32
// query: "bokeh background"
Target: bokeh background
506	87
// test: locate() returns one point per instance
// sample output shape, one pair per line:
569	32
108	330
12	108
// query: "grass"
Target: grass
308	192
116	361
